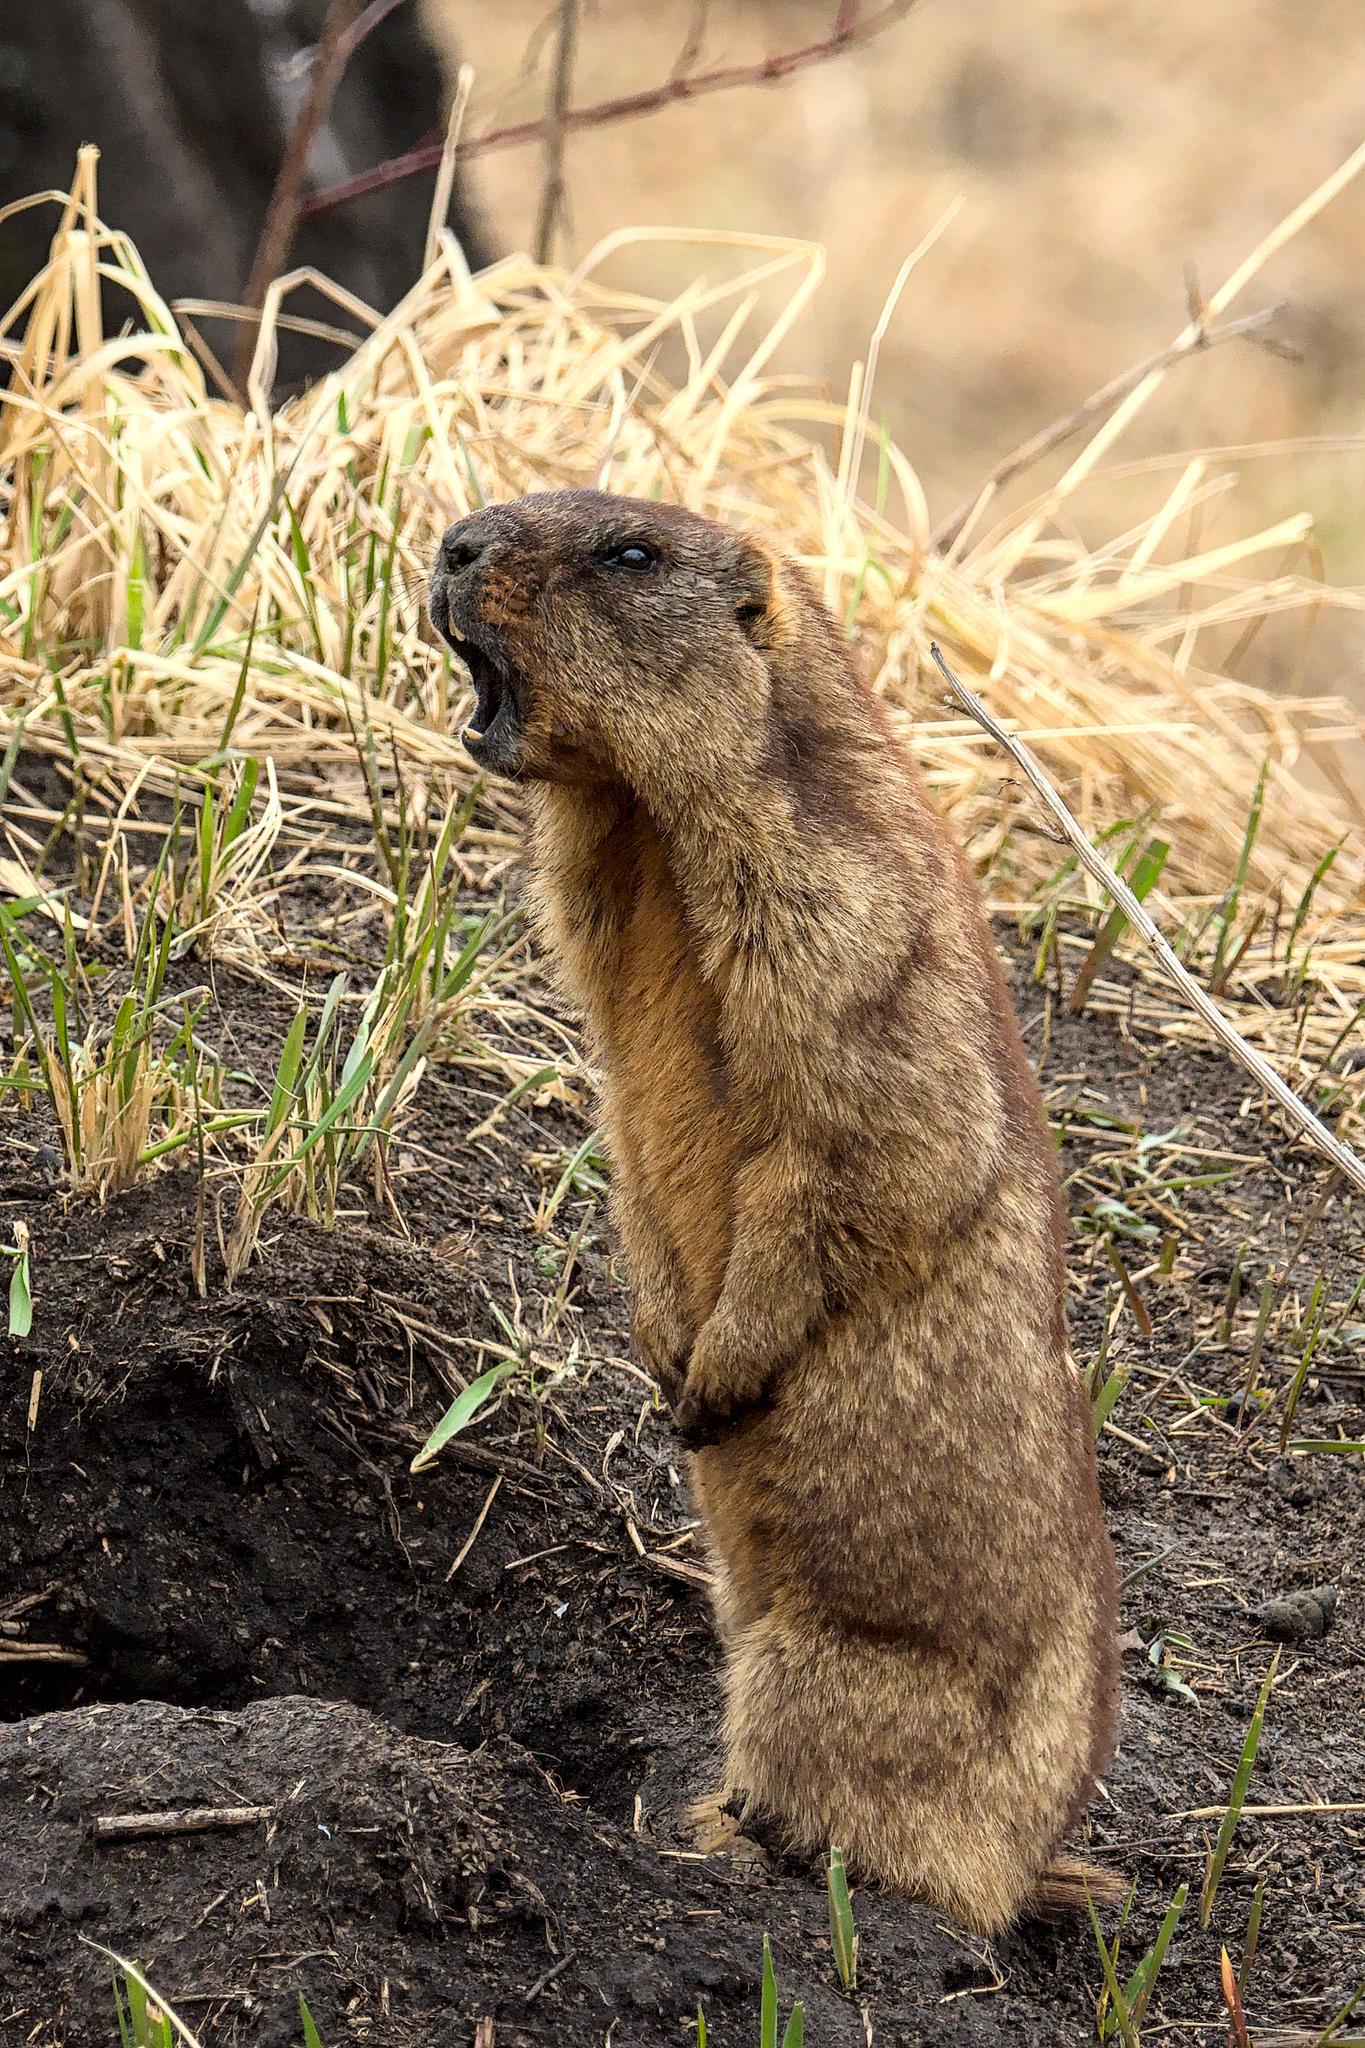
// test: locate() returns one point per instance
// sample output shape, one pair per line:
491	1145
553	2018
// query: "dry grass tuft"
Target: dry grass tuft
184	579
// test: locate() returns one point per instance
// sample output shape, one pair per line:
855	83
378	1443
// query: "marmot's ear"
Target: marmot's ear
763	607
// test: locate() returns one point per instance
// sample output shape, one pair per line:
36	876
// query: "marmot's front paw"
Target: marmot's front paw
695	1424
664	1355
716	1389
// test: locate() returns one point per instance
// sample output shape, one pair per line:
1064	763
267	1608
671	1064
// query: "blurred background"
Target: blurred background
1104	156
1101	151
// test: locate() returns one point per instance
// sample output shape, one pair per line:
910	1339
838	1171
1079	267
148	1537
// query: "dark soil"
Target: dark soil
221	1586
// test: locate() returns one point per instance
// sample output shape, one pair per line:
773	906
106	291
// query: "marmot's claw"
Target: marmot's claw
699	1421
671	1375
697	1426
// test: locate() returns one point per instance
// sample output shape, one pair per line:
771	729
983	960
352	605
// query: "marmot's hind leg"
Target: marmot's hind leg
821	1734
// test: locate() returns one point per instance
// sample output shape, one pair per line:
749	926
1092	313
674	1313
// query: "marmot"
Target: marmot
834	1184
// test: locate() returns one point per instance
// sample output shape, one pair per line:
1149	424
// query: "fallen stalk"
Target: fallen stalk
1095	864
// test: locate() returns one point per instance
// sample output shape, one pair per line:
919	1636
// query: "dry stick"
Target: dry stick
1095	864
20	1652
282	214
445	176
848	32
186	1820
549	1977
471	1538
1264	1812
552	194
1099	402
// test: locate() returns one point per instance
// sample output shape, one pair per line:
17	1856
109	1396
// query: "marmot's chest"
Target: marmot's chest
672	1112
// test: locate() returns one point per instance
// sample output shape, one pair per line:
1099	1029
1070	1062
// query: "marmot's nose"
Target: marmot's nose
466	544
460	550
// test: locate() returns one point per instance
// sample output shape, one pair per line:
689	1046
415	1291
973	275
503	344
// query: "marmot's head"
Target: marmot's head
611	638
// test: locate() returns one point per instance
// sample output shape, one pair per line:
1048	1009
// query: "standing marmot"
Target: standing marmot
834	1184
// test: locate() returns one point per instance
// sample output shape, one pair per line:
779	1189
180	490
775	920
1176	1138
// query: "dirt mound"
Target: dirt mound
402	1885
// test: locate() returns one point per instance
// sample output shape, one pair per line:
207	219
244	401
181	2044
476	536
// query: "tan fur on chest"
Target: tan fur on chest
668	1097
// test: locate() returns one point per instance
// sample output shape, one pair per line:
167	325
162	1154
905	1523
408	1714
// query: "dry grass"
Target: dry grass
182	579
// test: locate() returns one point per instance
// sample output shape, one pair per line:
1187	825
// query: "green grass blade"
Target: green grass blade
1240	1780
461	1412
12	755
1305	905
1317	1308
767	2030
1252	1934
1102	1403
137	585
1140	1985
239	569
1122	2015
124	2029
794	2035
1144	879
287	1073
589	1145
842	1937
205	852
311	2037
303	563
240	811
1329	2033
332	1115
20	1298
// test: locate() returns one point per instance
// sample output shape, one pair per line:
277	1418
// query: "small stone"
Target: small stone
1299	1617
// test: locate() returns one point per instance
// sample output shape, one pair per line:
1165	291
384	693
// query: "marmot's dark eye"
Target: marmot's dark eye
635	555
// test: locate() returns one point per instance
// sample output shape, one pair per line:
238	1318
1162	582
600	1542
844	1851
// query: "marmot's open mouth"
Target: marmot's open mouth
493	735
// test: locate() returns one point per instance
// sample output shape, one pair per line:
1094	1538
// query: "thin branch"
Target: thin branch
1094	863
282	214
364	25
561	91
848	32
1098	403
185	1820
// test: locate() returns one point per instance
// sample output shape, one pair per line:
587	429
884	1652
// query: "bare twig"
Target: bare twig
552	193
848	32
282	214
39	1653
445	176
1094	863
185	1820
363	25
1092	408
472	1537
549	1977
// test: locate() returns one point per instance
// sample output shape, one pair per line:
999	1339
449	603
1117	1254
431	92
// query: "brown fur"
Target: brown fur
834	1184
